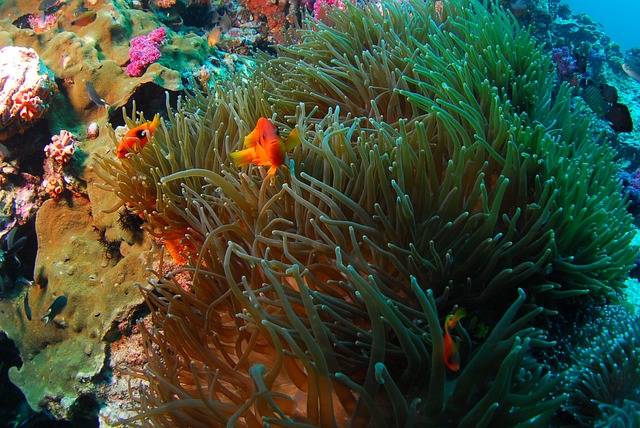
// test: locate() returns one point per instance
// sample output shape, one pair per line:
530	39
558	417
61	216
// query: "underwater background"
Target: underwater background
319	213
618	22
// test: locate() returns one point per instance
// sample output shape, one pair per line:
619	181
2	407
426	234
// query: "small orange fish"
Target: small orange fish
214	36
136	138
439	9
451	346
84	18
265	147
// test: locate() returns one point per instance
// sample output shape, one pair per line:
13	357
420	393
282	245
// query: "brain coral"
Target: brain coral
435	171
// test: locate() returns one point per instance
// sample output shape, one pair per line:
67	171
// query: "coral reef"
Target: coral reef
443	166
98	52
438	169
27	87
631	189
565	62
99	294
78	43
9	263
600	62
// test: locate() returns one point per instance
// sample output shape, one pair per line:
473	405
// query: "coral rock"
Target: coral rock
60	359
27	87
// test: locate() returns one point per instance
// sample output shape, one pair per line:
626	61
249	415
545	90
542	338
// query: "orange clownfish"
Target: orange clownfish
265	147
451	346
135	139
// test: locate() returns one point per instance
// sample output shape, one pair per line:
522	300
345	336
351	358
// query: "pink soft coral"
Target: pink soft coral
43	23
59	152
144	50
321	7
62	147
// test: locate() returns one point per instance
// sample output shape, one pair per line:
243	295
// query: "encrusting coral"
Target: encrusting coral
435	171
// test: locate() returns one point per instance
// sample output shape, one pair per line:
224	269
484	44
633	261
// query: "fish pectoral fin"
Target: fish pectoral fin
252	139
242	157
135	146
292	140
272	170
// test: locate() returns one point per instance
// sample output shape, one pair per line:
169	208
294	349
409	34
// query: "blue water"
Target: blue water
620	18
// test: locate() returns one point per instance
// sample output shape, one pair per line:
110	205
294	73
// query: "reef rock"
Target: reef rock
62	357
26	88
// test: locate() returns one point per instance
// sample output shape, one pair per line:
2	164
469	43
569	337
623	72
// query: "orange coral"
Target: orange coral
27	106
164	4
273	10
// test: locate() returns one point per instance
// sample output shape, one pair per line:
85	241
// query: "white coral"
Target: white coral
26	88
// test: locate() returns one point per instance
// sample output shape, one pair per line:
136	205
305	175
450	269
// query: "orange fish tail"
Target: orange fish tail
292	140
242	157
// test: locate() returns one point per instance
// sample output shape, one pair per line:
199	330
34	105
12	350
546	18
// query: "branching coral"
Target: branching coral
435	170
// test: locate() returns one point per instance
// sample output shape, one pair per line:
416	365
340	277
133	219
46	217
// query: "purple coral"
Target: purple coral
565	62
631	188
321	7
144	50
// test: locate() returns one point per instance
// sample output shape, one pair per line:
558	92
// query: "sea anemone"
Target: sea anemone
603	382
435	171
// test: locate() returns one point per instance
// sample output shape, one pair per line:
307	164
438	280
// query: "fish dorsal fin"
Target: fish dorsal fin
154	123
292	140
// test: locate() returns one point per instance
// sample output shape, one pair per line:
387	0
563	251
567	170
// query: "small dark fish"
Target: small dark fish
84	18
93	96
56	307
23	22
609	93
47	4
27	308
593	96
620	118
225	23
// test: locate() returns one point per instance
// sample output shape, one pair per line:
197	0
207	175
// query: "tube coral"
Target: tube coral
435	170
